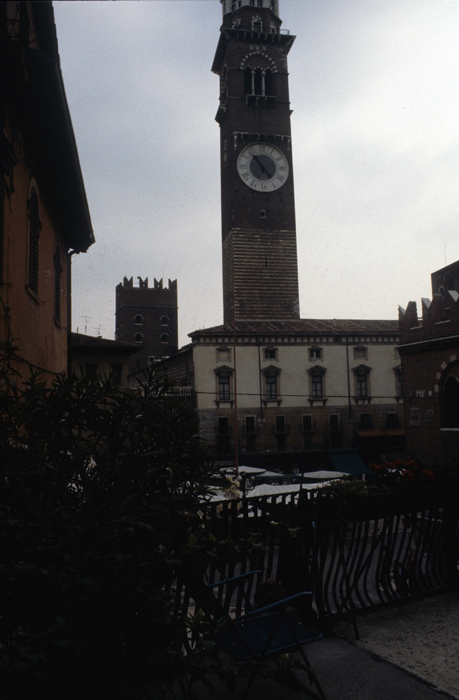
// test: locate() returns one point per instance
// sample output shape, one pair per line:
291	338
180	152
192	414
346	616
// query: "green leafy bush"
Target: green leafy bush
96	486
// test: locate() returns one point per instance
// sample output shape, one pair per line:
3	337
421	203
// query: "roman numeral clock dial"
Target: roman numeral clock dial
262	167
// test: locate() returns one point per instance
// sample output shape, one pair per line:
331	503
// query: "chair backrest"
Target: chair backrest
203	597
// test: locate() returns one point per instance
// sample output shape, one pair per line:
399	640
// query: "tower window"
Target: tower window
164	338
34	234
258	81
138	338
164	320
138	320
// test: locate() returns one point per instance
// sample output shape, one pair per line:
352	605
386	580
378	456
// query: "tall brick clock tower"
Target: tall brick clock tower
260	268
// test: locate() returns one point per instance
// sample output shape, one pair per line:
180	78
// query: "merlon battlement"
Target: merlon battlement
143	284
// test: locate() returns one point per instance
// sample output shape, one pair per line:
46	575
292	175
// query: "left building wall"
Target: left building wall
44	215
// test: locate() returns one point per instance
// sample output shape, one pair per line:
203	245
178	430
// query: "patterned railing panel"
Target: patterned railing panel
396	546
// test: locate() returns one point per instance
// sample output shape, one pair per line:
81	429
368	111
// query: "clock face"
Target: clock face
262	167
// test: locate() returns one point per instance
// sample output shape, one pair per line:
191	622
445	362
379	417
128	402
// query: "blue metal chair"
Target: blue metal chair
258	634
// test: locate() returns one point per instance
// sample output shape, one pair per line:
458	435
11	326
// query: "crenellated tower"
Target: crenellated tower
260	268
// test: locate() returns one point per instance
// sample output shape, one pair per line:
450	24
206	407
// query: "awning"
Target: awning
350	463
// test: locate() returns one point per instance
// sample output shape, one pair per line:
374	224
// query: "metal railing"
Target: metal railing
393	547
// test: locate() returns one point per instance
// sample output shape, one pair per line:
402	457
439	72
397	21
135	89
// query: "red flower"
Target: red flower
427	474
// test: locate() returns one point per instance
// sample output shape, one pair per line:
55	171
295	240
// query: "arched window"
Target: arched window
164	320
164	338
259	82
34	234
138	320
138	338
269	87
248	81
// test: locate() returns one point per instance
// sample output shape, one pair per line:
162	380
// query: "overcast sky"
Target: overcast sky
374	88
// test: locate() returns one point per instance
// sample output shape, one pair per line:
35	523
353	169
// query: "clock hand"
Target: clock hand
262	166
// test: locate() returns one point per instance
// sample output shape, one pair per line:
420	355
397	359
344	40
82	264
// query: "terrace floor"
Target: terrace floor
405	652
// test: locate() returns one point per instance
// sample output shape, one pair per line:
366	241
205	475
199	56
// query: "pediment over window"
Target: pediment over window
362	369
317	370
222	369
271	370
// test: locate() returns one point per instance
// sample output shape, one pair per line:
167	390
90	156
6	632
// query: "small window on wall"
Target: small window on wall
280	424
164	338
34	235
334	422
117	369
366	422
307	425
398	382
270	353
138	320
315	353
138	338
360	352
392	421
223	354
250	425
57	283
222	426
223	434
164	320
